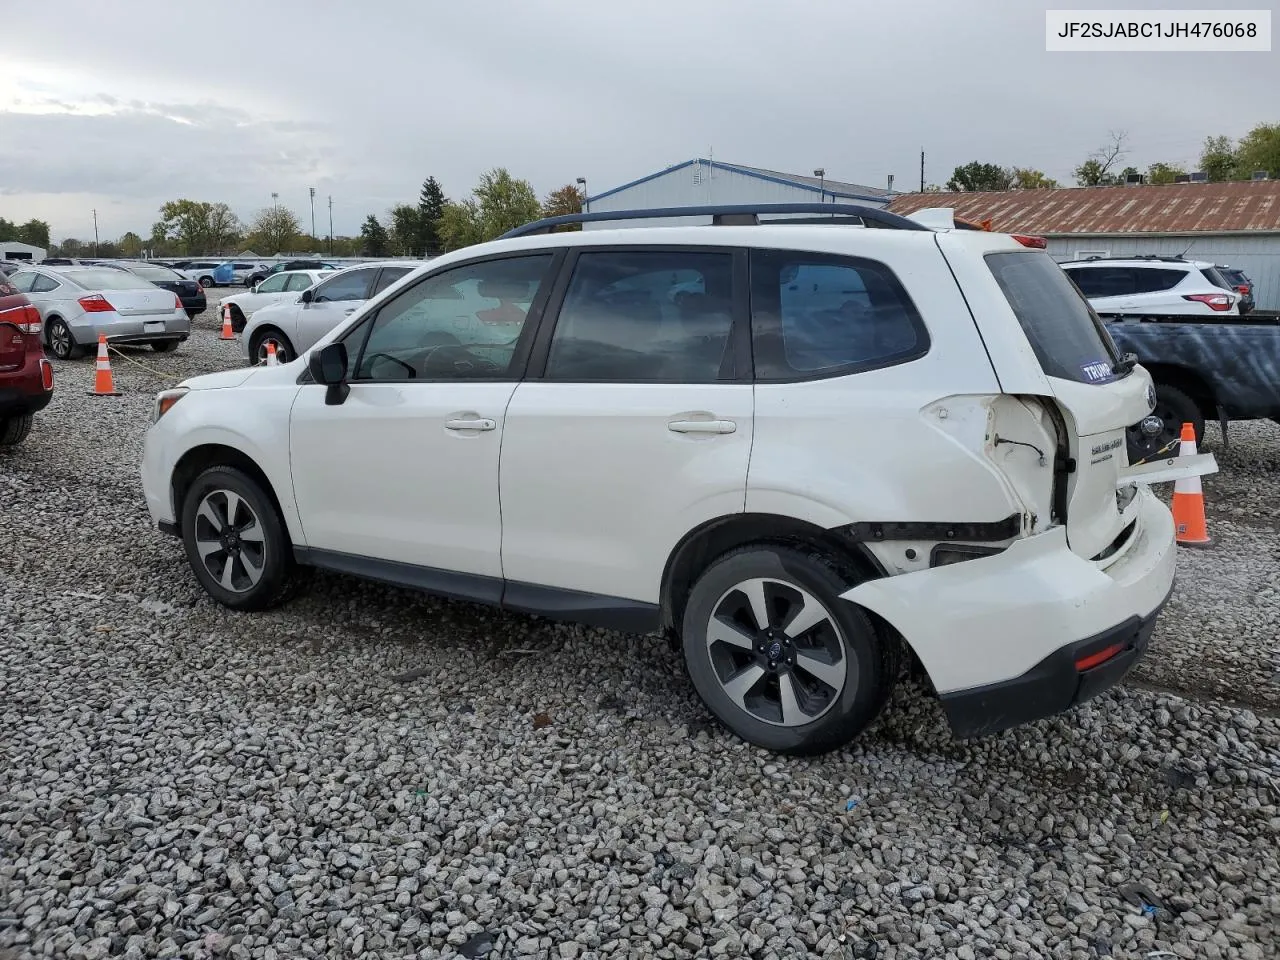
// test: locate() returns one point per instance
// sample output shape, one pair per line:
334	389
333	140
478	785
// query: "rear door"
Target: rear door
634	425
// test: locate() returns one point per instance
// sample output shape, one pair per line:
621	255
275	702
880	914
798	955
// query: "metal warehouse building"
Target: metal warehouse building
704	181
13	250
1232	224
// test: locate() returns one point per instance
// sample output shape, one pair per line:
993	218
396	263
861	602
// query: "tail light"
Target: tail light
1102	656
46	374
1038	243
1244	290
96	303
1214	301
26	318
177	302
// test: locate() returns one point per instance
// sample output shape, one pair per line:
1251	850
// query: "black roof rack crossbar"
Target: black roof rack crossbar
730	215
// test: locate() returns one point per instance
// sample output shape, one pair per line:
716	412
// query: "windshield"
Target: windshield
106	279
1068	338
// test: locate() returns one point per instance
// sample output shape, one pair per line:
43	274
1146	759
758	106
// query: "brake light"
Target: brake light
1102	656
1214	301
1026	240
177	302
46	374
26	318
1244	289
96	303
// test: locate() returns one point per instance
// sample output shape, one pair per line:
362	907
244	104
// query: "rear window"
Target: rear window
106	279
1068	338
1217	279
152	272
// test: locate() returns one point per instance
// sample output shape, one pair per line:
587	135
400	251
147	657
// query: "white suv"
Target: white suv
806	452
1146	286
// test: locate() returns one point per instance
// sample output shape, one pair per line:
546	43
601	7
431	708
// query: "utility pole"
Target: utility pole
95	231
313	212
275	197
331	224
922	171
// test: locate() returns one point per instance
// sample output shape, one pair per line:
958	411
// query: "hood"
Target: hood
219	381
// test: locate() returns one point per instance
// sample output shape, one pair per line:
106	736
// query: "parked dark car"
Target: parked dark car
1242	285
189	291
258	276
26	375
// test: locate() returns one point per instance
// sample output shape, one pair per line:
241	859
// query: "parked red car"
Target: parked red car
26	376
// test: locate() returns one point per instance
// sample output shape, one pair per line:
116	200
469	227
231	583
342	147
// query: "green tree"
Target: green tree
980	176
1096	171
186	222
131	245
225	228
34	232
274	230
1218	159
71	247
559	203
373	237
1028	179
497	204
1259	149
406	229
8	230
1164	172
431	204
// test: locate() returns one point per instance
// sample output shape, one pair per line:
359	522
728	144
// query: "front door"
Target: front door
331	303
637	428
404	472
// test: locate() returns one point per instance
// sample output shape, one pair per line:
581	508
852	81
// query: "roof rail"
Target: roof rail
741	214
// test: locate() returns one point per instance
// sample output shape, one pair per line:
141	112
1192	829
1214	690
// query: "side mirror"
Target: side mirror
306	296
328	366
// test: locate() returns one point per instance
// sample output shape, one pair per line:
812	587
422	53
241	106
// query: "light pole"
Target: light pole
582	183
331	224
821	174
313	213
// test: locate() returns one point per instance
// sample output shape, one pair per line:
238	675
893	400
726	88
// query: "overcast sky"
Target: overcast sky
123	105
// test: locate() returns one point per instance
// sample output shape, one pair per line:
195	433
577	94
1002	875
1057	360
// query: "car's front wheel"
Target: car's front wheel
13	430
235	540
258	346
778	657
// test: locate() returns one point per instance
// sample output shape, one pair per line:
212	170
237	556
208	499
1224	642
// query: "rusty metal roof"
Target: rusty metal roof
1252	205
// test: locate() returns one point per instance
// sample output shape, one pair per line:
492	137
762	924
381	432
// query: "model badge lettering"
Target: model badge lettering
1105	447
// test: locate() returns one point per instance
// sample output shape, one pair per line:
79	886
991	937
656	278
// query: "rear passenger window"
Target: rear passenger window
1154	280
1096	282
645	315
814	315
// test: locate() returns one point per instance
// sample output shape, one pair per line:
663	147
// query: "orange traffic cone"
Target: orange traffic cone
103	383
227	332
1188	499
272	359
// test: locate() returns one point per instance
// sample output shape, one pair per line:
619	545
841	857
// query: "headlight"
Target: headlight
165	400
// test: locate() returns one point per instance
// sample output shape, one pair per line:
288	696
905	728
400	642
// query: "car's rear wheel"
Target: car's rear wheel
284	349
206	281
13	430
778	657
235	541
1159	431
165	346
58	336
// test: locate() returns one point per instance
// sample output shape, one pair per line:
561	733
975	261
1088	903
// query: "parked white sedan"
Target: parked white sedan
294	325
277	288
77	304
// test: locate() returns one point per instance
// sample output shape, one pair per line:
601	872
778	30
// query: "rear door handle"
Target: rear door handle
483	423
702	426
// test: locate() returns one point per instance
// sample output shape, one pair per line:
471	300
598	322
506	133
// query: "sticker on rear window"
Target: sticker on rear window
1096	372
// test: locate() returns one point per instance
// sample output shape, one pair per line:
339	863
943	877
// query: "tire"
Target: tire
165	346
258	346
1173	409
206	282
13	430
59	340
853	669
205	513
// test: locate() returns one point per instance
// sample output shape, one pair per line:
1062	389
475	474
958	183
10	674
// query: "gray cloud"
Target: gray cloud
365	101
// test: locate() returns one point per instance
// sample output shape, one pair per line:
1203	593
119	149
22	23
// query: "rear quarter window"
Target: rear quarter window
1068	338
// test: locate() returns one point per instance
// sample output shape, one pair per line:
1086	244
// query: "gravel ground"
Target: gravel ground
370	772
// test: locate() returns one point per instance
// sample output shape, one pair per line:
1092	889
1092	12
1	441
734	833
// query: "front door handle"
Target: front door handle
484	423
702	426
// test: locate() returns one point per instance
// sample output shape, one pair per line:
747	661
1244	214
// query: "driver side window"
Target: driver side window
462	323
273	284
346	286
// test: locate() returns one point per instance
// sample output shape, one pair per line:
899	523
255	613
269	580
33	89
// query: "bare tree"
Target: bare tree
1096	171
